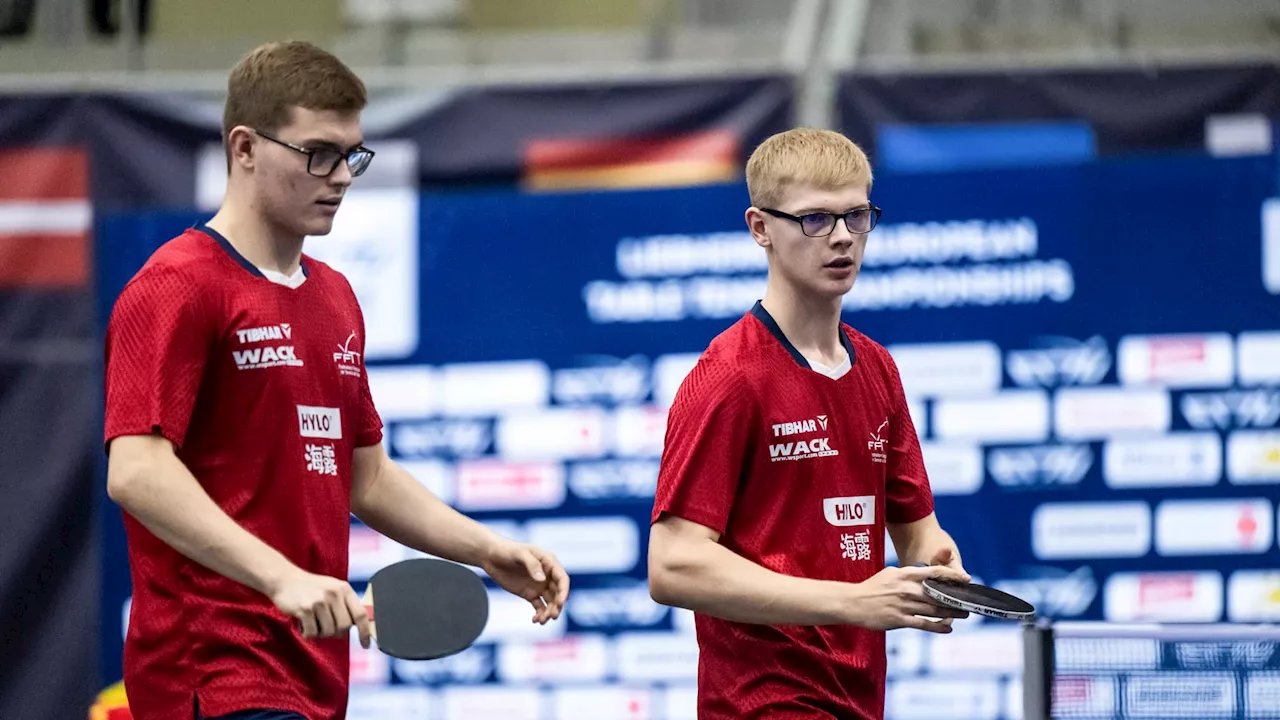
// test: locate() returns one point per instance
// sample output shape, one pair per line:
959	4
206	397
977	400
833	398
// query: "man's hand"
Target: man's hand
532	573
946	558
325	607
894	598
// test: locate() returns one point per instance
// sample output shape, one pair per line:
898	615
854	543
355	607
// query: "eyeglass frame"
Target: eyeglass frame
837	217
311	153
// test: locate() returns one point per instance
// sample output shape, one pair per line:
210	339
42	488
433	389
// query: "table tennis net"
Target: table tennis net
1220	671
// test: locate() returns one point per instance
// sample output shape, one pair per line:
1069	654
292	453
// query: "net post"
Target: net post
1038	670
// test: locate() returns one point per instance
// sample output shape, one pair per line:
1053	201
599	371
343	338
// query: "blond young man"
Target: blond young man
789	452
242	435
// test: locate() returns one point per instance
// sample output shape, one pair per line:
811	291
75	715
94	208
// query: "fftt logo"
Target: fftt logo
876	443
850	511
877	438
347	360
345	354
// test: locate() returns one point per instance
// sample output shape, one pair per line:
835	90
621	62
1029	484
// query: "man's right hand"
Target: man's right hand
894	598
325	607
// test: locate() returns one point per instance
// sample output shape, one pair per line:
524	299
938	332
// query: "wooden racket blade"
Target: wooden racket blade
367	601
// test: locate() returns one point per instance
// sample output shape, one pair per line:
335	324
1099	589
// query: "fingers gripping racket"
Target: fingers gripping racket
424	609
978	599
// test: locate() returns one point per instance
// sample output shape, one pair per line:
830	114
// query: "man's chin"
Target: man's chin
841	288
318	228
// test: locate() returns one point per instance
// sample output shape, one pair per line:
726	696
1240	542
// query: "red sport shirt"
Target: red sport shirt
799	473
261	388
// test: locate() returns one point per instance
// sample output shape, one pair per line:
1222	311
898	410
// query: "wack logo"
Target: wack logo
266	357
802	450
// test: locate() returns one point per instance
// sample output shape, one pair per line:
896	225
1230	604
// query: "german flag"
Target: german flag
45	218
111	704
699	158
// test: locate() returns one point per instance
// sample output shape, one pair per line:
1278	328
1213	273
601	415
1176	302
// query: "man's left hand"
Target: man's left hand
532	573
945	556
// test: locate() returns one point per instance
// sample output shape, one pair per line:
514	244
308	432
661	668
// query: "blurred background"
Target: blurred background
1078	272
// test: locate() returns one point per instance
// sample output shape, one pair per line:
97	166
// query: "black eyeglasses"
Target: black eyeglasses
859	221
322	161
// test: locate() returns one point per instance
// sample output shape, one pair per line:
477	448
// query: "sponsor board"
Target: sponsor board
1091	530
1163	597
1214	527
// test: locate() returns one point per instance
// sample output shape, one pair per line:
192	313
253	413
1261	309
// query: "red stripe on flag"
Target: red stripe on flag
44	174
713	146
698	158
44	261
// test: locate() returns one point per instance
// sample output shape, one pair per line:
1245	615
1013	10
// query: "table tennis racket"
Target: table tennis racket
978	599
426	608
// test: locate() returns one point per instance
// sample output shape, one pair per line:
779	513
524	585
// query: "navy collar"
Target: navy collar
764	317
235	254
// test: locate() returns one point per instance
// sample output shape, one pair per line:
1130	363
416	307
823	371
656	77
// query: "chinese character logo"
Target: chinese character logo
320	459
856	546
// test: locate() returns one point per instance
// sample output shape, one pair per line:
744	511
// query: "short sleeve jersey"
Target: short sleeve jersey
262	390
799	473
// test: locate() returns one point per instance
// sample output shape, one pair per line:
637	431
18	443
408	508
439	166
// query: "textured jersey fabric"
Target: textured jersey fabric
261	388
799	473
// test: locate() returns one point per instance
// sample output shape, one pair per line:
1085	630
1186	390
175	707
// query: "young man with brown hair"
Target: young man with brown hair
242	435
789	452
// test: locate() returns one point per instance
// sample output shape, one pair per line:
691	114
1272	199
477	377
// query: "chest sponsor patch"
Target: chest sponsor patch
266	357
850	511
319	422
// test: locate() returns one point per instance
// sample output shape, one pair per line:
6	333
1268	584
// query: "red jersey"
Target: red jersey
799	473
261	388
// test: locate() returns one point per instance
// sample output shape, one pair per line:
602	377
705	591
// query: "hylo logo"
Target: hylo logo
850	511
319	422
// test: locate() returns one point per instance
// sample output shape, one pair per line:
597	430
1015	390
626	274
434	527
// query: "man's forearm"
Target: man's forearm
160	492
923	548
395	504
712	579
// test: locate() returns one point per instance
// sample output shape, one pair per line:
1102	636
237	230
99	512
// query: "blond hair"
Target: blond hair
808	156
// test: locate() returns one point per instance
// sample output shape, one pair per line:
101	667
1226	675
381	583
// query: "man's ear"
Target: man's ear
240	147
756	224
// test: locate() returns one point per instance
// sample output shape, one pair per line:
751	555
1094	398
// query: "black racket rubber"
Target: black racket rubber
979	599
426	608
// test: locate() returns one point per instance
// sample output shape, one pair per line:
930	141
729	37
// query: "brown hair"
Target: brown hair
822	158
273	78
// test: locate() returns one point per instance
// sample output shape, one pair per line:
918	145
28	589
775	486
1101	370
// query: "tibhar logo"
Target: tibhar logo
801	449
797	427
269	356
876	443
283	331
347	360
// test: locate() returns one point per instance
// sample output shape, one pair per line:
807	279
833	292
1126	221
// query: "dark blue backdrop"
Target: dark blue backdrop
1160	244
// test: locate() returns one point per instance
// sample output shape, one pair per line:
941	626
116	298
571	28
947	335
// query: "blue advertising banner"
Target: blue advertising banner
1091	353
1124	110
